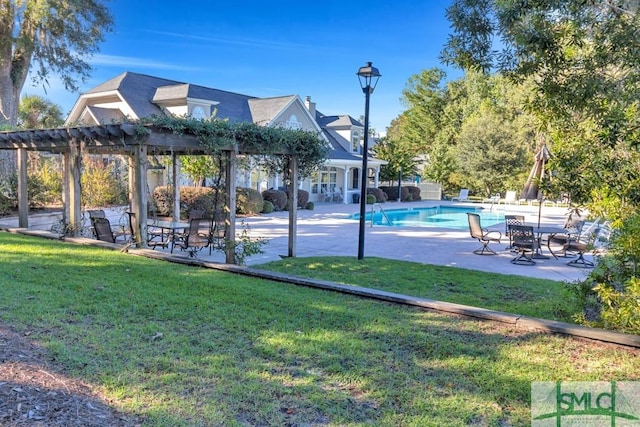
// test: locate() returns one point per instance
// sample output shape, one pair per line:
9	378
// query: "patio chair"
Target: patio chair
573	229
463	196
510	197
195	239
483	235
103	232
584	242
337	195
510	220
119	231
155	238
525	242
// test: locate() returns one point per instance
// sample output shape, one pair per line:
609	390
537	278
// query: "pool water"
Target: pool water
436	216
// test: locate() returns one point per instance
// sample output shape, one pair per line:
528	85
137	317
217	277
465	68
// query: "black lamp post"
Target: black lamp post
368	76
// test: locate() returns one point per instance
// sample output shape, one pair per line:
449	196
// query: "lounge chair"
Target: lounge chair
483	235
510	197
524	240
463	196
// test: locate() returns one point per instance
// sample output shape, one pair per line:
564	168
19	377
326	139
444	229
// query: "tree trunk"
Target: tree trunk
9	100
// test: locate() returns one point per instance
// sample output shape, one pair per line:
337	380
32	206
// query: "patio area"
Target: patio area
328	231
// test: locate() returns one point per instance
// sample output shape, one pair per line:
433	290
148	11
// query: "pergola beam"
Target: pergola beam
134	141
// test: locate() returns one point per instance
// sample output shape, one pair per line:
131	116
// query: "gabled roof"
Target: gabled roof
263	110
342	121
139	90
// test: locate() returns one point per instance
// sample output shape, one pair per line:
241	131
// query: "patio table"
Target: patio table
170	227
551	231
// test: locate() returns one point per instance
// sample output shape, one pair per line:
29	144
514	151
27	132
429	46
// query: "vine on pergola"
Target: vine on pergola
271	145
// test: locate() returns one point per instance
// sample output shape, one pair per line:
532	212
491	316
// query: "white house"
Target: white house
134	96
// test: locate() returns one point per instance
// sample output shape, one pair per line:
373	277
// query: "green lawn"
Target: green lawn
242	351
542	298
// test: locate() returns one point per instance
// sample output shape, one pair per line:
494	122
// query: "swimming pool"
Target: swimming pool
436	216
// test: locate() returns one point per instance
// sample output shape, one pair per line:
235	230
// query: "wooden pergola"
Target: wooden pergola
135	141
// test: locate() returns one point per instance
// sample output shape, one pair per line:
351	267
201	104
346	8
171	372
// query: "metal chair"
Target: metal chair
510	220
585	242
483	235
573	229
195	240
524	241
103	232
154	238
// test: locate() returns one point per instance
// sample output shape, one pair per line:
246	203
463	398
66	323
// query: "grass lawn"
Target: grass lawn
242	351
547	299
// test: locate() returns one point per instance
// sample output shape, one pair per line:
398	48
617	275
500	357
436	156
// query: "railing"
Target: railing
384	214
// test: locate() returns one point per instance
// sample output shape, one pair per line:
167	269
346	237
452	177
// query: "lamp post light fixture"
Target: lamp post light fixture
368	76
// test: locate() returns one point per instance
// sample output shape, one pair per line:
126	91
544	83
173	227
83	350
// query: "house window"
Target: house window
355	141
325	181
293	123
355	178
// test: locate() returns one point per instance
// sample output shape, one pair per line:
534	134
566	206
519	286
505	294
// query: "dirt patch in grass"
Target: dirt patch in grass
36	392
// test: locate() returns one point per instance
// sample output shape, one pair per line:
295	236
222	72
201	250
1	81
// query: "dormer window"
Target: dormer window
355	140
293	123
197	112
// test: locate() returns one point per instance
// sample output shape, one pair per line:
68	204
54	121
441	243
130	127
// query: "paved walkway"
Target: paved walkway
327	231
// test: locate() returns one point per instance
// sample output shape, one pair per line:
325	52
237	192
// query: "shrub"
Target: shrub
101	186
381	196
5	205
310	206
371	199
248	201
267	207
414	193
408	193
198	198
303	198
277	197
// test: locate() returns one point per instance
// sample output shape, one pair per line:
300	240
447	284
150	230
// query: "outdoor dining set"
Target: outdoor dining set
572	240
191	236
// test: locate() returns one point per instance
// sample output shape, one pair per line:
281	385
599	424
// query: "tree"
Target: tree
36	112
583	54
399	156
45	37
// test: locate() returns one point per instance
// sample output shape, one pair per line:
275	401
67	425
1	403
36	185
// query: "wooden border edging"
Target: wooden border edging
519	321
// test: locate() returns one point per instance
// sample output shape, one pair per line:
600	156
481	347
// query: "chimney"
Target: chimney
311	106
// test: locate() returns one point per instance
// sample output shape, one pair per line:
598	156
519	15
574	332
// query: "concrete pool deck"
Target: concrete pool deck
328	231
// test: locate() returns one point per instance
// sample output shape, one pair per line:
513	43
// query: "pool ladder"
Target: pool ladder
384	214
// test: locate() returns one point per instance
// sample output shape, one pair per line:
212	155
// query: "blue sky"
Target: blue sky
275	48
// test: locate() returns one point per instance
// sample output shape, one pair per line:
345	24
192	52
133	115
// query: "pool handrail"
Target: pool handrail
384	214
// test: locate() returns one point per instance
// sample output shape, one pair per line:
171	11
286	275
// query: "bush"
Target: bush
248	201
267	207
198	198
414	193
371	199
408	193
381	196
277	197
310	206
303	198
101	186
5	205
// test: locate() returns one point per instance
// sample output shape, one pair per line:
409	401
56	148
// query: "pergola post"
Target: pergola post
292	171
73	165
23	194
139	192
230	214
175	161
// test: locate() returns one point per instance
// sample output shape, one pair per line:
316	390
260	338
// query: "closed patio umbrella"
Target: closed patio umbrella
532	189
